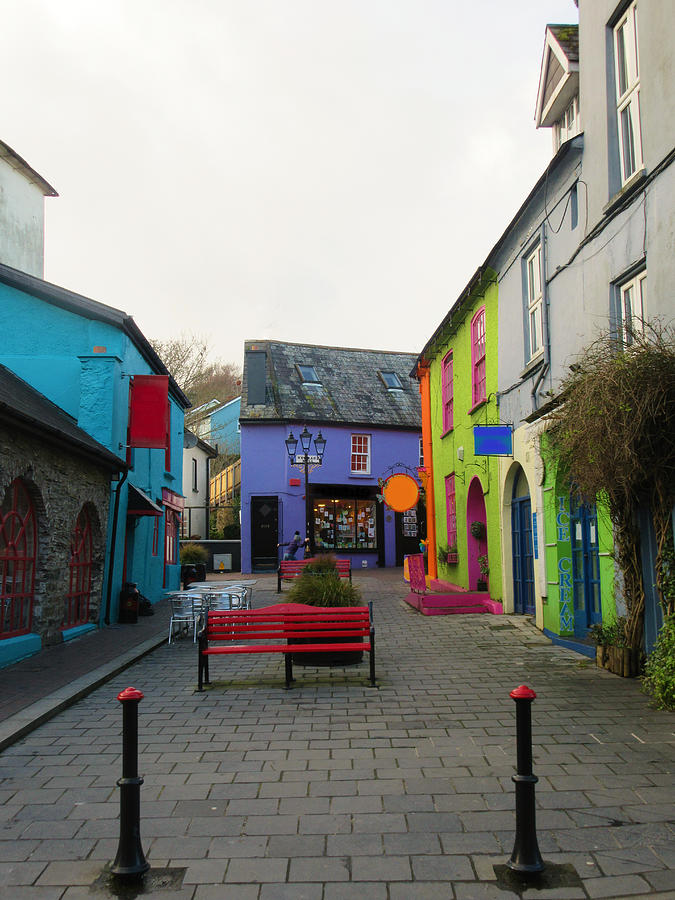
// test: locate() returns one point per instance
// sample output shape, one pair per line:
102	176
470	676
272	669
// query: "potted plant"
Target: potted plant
484	567
612	650
477	529
193	559
320	585
448	554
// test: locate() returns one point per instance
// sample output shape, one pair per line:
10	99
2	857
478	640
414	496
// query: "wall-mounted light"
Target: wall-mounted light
460	453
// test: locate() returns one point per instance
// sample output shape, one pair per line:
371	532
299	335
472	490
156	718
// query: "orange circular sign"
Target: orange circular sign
401	492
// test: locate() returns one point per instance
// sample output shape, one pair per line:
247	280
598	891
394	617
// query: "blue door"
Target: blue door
585	565
522	547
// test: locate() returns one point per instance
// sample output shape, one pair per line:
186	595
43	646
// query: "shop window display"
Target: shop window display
345	525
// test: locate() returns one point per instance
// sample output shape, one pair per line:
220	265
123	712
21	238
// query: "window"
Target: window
360	456
345	525
630	306
627	76
534	303
392	381
76	610
18	554
194	475
308	375
479	377
568	124
447	392
451	510
421	453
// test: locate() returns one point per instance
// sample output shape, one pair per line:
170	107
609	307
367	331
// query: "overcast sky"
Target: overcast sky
307	170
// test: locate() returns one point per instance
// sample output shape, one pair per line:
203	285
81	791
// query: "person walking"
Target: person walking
293	546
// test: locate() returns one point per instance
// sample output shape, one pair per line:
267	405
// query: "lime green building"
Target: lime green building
458	373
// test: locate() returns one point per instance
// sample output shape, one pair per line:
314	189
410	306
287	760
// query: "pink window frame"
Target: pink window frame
447	392
18	557
451	510
478	354
76	611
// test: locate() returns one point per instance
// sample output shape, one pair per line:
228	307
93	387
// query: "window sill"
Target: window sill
360	475
535	363
630	187
446	433
477	406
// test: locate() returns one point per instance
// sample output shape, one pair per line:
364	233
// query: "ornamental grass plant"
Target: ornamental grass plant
320	585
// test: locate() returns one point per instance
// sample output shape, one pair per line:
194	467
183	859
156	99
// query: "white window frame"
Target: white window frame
359	456
627	80
535	302
631	296
421	453
568	124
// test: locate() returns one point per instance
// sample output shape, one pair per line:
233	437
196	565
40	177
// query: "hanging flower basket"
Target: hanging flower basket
477	529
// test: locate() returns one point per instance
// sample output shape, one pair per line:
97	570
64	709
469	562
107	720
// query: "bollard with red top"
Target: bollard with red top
130	861
525	857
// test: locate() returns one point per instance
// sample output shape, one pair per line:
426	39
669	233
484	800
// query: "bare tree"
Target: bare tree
199	377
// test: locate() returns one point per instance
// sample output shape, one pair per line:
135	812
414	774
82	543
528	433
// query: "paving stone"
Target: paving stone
319	869
441	868
618	886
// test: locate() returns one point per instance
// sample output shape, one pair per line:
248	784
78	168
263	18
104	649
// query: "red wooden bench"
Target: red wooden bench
279	628
291	568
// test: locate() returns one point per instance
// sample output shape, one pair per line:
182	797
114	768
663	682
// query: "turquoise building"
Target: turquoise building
104	379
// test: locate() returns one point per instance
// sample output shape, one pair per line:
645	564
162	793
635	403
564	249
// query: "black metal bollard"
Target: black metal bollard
525	857
130	861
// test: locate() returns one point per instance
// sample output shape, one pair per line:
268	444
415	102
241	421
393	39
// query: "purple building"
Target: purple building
366	408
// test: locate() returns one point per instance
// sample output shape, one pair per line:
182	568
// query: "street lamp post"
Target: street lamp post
304	462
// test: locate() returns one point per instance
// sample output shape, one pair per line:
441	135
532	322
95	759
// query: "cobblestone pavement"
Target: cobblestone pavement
336	790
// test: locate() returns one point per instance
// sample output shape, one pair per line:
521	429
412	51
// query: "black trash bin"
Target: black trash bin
129	600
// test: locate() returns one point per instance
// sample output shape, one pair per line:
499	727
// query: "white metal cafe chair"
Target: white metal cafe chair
232	597
186	607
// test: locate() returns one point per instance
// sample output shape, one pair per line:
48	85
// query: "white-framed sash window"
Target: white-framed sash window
360	454
631	305
535	302
627	76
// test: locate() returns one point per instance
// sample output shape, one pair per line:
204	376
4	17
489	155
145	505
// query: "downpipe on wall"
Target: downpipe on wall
113	538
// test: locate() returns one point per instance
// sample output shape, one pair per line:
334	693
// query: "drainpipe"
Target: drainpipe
113	538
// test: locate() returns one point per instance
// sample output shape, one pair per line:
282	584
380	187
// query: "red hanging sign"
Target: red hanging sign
149	411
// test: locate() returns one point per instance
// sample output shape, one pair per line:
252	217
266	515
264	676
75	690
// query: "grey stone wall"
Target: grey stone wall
59	485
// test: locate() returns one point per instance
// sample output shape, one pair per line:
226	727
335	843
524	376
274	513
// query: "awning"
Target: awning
141	505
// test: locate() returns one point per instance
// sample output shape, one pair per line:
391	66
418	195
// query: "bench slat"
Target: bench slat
286	648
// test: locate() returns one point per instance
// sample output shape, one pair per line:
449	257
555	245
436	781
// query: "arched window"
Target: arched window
18	552
76	610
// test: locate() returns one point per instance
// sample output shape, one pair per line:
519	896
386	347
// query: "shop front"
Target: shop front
348	521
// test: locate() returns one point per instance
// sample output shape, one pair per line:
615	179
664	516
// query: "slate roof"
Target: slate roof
351	391
568	38
21	406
